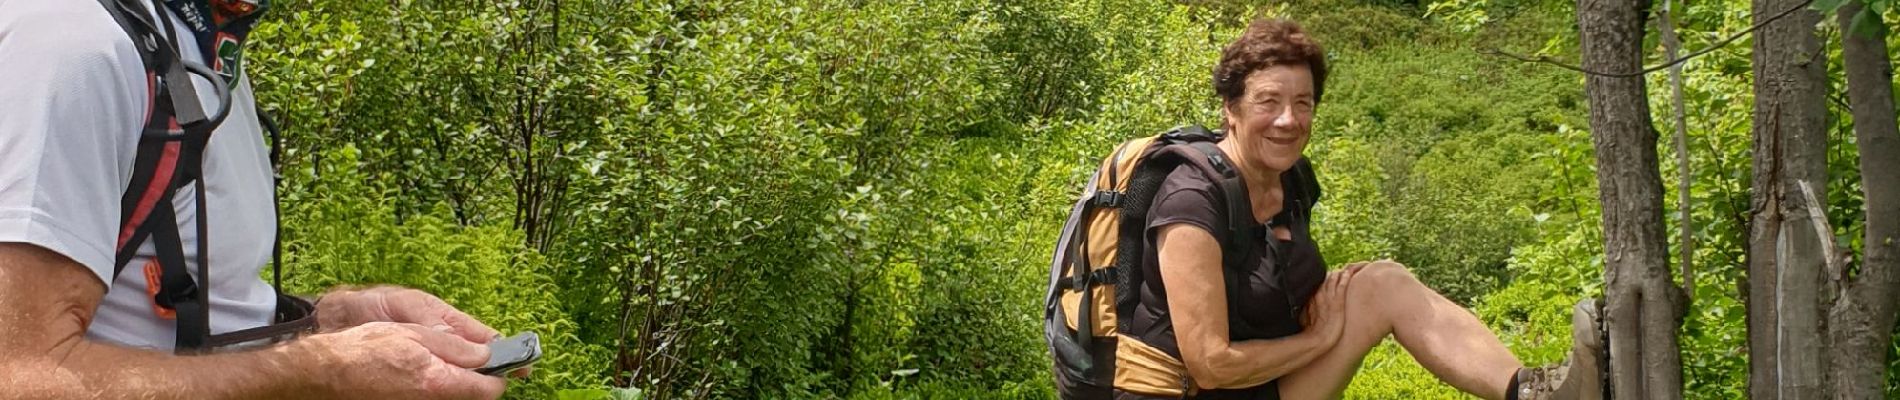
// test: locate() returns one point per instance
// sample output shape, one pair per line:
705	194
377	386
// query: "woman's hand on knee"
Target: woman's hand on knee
1325	315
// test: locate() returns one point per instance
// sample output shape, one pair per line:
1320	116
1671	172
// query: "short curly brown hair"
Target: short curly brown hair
1268	42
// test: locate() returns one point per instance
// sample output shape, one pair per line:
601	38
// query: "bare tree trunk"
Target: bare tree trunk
1784	256
1686	243
1644	305
1861	321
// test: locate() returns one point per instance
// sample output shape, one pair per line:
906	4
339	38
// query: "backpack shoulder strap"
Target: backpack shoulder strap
140	195
1233	192
1302	194
135	26
1309	179
170	155
170	148
1194	146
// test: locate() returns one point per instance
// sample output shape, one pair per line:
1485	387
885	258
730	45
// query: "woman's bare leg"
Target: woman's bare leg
1383	298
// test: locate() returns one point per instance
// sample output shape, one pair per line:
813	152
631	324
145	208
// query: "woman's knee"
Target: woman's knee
1374	298
1383	276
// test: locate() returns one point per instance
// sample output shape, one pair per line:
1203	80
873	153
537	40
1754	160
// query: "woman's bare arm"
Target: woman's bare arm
1191	272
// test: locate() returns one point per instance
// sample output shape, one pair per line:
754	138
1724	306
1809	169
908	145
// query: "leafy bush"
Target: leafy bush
856	199
342	233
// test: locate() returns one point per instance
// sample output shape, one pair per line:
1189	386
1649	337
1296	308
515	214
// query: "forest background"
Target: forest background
857	198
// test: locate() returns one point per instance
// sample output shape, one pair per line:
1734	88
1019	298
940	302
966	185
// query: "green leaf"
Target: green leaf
1866	22
583	394
628	394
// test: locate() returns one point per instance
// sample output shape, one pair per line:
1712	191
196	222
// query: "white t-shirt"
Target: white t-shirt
72	103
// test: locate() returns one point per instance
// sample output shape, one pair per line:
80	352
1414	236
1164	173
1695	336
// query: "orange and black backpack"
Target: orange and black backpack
1094	276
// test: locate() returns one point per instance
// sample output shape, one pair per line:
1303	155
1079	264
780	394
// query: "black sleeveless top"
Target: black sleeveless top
1265	303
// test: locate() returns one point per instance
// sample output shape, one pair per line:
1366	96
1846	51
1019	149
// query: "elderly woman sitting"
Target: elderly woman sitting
1233	342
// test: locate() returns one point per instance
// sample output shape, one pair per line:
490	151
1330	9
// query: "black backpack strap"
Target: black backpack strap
170	154
294	315
1190	134
1171	150
1226	177
1079	274
1221	170
1240	235
276	202
150	163
1078	353
1305	182
177	290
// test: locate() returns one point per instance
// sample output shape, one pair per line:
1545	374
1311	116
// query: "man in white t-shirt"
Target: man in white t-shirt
73	101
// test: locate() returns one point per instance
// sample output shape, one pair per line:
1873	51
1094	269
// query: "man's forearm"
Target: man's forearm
86	369
44	353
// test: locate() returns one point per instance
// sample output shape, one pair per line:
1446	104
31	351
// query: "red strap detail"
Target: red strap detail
152	281
167	164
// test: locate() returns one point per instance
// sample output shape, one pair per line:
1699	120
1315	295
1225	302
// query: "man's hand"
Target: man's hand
46	354
384	360
348	307
344	308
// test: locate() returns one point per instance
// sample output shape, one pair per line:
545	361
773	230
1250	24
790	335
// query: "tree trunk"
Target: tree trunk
1643	311
1861	321
1784	252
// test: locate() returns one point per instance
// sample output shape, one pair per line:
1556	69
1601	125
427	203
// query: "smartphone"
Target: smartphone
511	353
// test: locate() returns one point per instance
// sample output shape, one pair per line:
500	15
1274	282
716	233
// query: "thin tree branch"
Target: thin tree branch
1657	67
1686	244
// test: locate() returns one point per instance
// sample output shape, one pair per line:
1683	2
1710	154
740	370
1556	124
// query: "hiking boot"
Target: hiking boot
1581	376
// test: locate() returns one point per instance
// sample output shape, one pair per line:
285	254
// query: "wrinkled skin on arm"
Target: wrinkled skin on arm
50	301
51	305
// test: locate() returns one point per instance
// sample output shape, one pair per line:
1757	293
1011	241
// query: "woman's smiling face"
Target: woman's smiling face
1272	120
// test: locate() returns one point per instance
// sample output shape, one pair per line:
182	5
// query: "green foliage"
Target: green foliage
856	199
1369	27
343	232
1391	373
1437	151
1893	366
1464	210
1867	21
1353	218
600	394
